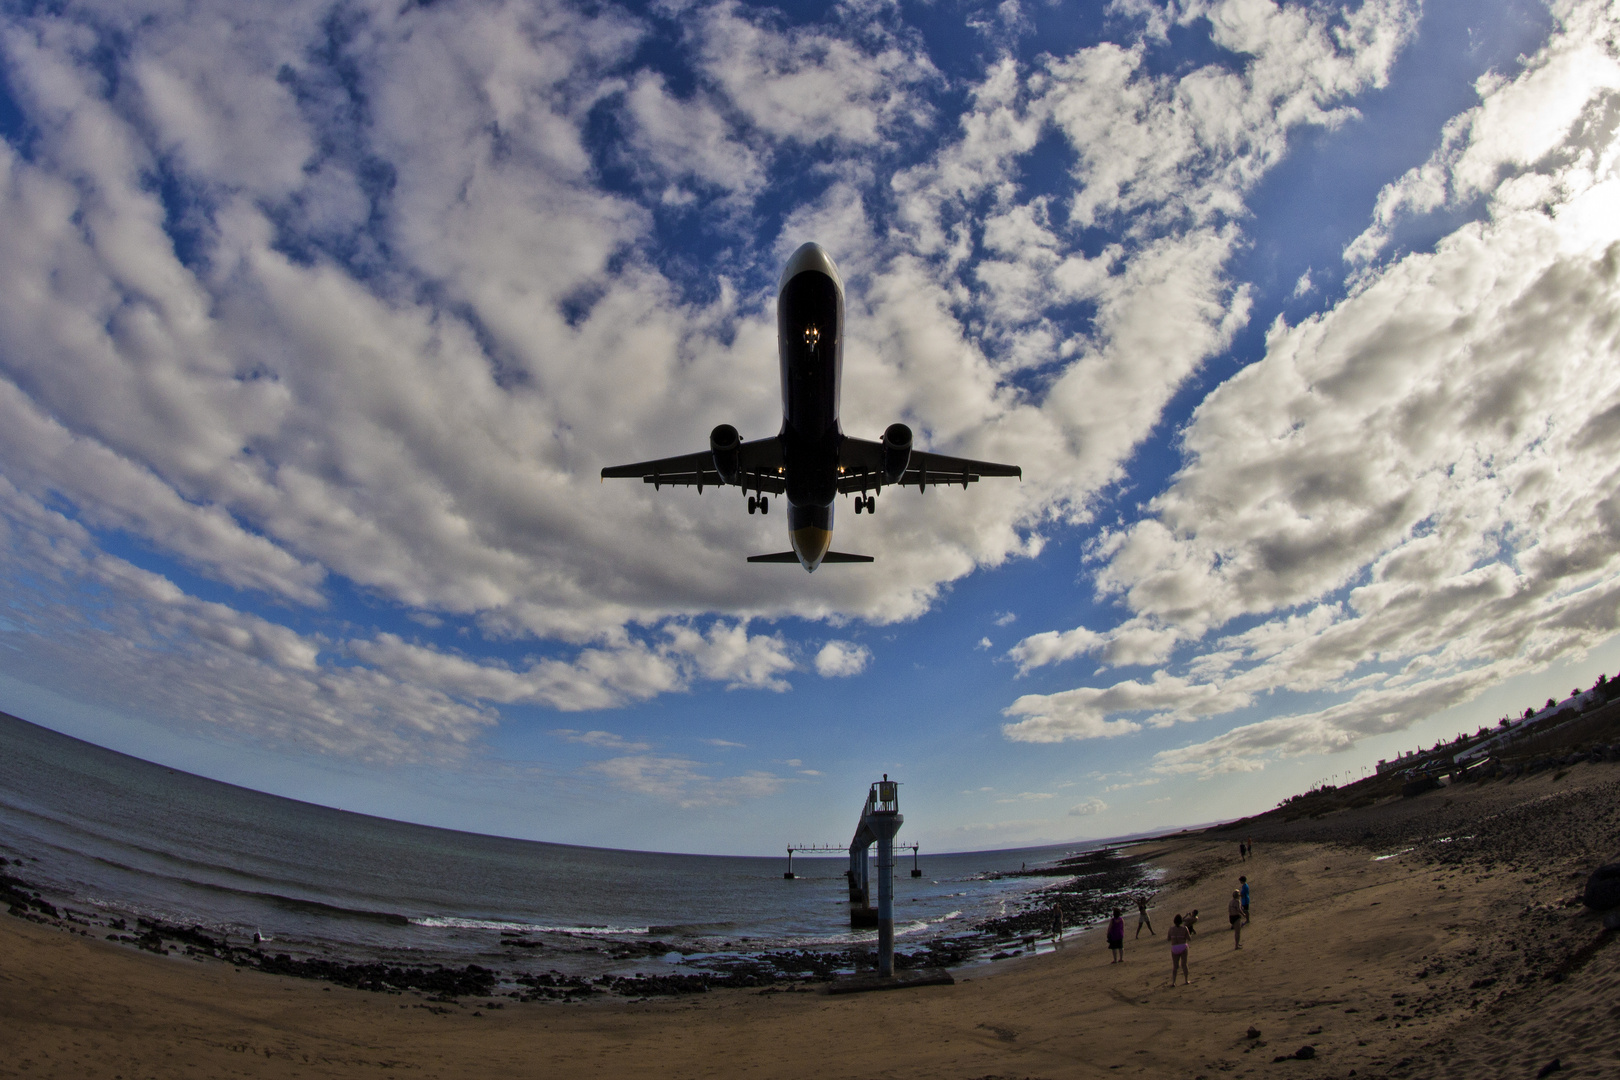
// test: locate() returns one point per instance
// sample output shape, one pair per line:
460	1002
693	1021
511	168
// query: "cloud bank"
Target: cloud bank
357	299
1411	497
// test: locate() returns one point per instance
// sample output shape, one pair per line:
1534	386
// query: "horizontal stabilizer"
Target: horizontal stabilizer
793	557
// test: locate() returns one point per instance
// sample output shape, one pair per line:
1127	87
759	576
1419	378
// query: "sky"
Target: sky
318	321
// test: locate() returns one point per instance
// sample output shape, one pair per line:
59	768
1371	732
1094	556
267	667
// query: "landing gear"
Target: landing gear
753	504
761	504
866	503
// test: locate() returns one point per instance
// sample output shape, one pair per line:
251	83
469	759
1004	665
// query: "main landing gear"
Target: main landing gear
868	503
762	504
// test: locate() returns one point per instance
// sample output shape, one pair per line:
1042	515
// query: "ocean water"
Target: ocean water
124	837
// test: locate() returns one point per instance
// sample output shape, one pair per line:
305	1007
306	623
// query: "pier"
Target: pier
839	849
879	824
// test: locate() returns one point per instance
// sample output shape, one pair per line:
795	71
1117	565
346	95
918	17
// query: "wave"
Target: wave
299	904
455	923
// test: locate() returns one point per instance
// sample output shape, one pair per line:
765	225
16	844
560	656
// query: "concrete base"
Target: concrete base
862	917
863	982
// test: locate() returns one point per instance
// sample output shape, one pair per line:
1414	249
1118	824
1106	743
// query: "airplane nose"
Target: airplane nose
811	257
810	544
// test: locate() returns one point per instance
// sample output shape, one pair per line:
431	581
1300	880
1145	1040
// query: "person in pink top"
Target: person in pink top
1177	936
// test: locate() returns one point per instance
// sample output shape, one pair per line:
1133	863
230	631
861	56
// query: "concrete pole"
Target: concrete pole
887	826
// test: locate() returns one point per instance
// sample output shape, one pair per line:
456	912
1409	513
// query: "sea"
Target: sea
120	838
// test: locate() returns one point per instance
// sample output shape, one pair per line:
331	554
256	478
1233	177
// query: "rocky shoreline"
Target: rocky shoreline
1091	885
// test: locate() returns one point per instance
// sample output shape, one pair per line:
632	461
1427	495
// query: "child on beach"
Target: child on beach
1234	912
1116	937
1192	922
1141	911
1245	893
1177	937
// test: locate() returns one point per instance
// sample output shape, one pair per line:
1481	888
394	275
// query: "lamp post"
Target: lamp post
885	820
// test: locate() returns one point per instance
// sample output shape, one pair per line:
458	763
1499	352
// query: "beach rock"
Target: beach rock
1603	888
1305	1053
1419	786
1549	1068
1253	1033
1611	921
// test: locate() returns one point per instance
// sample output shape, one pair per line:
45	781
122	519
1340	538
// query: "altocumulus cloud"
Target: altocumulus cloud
360	297
1411	497
842	658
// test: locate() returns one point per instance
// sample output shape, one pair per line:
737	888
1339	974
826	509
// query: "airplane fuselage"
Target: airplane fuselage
810	340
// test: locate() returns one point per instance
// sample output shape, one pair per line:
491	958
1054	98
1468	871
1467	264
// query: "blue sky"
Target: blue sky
318	324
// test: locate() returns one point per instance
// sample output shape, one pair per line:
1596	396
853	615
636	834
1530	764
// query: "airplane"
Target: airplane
810	460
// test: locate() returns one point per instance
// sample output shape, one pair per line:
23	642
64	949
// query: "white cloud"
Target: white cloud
1027	796
682	782
840	659
1410	496
1083	713
288	324
603	740
807	85
1087	808
688	139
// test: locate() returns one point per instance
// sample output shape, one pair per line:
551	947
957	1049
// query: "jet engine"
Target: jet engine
724	443
896	452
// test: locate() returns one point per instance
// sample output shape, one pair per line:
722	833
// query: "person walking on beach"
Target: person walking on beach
1234	912
1243	851
1057	922
1116	937
1192	922
1244	892
1142	916
1177	937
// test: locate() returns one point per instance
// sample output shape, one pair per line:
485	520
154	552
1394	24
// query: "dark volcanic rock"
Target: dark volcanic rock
1603	888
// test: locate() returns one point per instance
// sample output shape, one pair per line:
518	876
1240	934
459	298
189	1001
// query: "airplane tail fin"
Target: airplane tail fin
792	557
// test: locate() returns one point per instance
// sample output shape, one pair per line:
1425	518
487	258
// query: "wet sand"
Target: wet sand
1461	956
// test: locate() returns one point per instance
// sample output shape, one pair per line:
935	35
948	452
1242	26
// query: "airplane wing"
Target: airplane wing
760	469
862	464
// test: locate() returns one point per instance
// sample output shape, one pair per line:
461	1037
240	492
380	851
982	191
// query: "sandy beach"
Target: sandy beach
1433	936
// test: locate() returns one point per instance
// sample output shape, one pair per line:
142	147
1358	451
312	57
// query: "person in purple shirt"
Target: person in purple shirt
1116	937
